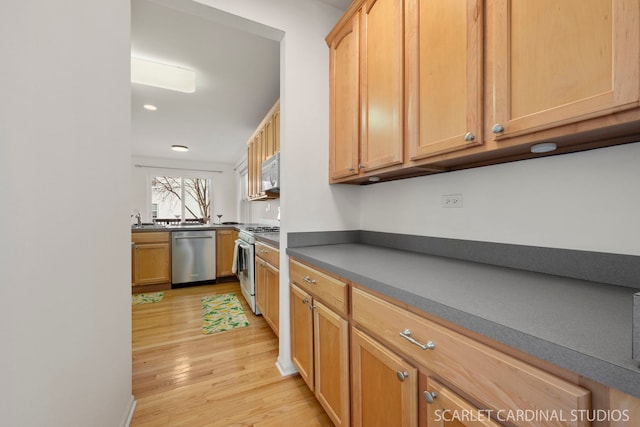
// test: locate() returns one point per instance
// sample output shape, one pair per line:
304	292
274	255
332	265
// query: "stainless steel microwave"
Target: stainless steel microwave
271	174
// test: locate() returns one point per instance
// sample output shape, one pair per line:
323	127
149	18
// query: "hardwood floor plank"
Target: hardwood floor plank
182	377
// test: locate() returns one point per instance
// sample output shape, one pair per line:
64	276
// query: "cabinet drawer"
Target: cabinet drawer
268	253
150	237
498	380
327	289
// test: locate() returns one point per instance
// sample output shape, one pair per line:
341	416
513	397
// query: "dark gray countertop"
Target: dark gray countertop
582	326
271	239
189	227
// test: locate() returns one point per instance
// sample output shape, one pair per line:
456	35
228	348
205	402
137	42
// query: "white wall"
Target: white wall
224	194
307	203
65	279
587	201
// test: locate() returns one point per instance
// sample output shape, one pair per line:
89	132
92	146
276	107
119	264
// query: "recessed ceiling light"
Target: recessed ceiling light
161	75
150	107
179	148
544	147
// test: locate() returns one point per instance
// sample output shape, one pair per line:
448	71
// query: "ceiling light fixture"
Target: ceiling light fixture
180	148
544	147
164	76
150	107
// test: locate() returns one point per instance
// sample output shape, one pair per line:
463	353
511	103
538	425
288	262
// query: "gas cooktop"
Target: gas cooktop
262	229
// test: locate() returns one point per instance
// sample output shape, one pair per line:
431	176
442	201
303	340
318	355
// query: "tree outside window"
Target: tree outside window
181	198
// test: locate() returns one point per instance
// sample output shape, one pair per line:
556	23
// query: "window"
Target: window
179	198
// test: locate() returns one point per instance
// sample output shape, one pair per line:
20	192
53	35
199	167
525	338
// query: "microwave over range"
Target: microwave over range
271	174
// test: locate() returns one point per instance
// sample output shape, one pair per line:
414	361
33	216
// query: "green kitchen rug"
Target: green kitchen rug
146	298
222	313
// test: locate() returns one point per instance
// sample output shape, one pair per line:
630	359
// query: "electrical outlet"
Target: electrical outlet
452	201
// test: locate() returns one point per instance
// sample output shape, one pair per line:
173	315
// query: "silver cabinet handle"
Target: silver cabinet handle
305	300
469	136
406	334
360	166
429	396
351	170
497	128
311	306
402	375
263	251
309	280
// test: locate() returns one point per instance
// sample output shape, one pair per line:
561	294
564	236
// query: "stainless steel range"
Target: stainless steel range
244	260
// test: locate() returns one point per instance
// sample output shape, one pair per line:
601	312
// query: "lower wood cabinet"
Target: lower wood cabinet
320	342
225	242
406	368
268	284
385	387
150	260
441	407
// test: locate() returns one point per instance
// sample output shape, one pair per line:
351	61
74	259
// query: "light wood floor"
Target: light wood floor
182	377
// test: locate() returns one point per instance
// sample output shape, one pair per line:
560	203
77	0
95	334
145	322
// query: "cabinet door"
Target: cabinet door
276	130
381	84
225	242
385	387
559	62
272	309
302	333
444	75
331	349
151	263
344	139
441	407
261	285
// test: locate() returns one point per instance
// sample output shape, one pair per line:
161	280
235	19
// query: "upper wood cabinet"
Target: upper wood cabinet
344	132
444	76
366	91
264	143
556	63
444	85
381	84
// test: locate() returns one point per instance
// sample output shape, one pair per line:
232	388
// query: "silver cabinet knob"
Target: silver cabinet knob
351	170
402	375
469	136
429	396
305	300
309	280
497	128
360	166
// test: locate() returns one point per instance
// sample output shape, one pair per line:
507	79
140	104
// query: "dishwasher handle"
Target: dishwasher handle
193	237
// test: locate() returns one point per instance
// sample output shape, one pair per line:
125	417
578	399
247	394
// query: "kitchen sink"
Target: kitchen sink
146	225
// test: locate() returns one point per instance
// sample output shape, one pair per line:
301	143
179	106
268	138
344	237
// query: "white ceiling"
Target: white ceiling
237	64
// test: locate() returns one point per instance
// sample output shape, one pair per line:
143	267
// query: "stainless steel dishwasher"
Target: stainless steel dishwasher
193	256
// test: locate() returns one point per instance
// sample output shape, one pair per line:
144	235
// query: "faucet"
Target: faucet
138	218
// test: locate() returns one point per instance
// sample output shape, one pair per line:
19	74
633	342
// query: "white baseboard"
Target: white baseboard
128	415
286	369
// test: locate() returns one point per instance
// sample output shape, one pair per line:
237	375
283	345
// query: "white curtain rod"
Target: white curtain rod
182	169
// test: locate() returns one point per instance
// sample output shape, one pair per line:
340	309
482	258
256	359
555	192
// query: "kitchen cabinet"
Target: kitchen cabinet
493	379
344	136
150	261
444	76
264	143
385	387
366	55
440	407
555	63
478	82
268	284
320	337
225	244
